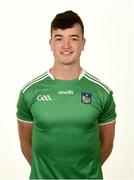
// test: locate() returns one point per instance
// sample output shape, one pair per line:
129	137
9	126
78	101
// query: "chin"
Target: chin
67	62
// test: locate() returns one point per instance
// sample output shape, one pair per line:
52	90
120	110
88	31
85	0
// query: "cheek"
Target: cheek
56	51
79	48
56	46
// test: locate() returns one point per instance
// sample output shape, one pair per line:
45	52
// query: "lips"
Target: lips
66	52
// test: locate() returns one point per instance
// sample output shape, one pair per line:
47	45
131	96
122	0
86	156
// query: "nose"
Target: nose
66	44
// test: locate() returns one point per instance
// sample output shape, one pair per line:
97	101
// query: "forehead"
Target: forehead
75	30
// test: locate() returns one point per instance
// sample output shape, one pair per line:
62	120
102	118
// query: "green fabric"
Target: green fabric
65	138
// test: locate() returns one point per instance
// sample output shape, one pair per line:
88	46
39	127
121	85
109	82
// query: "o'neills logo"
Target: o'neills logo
68	92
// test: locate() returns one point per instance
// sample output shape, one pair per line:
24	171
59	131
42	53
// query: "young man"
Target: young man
66	117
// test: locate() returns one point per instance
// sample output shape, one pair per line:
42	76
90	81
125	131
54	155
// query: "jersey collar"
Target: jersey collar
79	78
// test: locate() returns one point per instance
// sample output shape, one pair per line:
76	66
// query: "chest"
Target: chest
65	108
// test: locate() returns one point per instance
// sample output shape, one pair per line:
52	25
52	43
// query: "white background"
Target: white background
25	54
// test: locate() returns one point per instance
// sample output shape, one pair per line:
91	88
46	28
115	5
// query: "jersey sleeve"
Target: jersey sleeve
23	111
108	113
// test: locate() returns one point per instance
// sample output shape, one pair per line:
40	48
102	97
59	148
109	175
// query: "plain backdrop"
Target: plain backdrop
25	54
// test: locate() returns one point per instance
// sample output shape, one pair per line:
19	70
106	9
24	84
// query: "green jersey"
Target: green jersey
66	115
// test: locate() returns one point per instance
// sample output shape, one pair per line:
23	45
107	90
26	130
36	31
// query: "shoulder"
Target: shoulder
96	83
35	82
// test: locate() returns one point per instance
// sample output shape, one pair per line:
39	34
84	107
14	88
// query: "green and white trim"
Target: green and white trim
110	122
39	78
30	122
97	81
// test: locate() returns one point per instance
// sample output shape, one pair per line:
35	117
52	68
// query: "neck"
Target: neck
66	72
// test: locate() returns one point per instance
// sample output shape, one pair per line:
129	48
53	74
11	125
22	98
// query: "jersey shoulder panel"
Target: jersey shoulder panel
97	84
27	96
34	87
34	82
105	99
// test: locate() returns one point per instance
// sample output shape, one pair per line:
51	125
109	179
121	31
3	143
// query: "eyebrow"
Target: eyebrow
57	35
72	35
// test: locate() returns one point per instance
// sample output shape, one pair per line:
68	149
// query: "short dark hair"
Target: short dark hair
66	20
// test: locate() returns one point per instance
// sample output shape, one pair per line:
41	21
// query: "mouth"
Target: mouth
66	53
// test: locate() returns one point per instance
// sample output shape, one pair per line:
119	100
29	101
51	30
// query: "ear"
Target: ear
50	43
84	41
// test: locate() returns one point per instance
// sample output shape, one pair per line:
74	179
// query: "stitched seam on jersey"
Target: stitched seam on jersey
24	120
107	122
93	80
99	82
42	75
34	82
92	77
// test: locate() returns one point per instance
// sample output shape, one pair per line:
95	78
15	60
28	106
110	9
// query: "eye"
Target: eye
75	39
58	39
